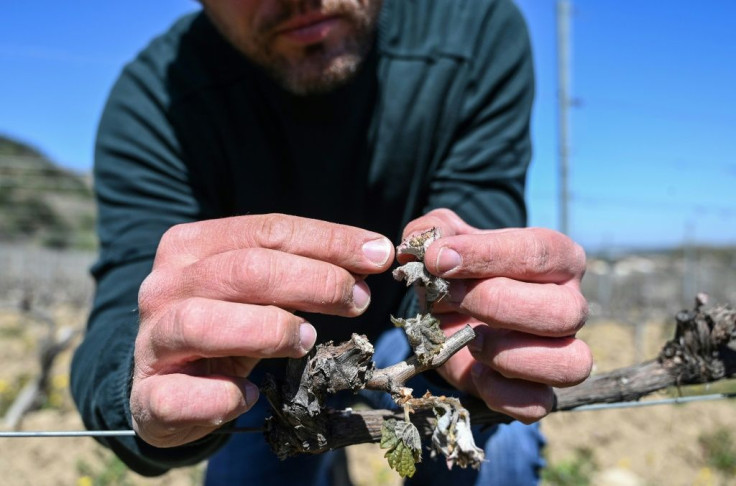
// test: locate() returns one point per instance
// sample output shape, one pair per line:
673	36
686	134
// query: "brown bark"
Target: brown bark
703	350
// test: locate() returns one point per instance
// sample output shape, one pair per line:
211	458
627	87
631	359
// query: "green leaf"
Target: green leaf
388	434
404	446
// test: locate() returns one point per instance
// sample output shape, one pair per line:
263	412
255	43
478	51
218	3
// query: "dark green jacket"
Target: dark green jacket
438	117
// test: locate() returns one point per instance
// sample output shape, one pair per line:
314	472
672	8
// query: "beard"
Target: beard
322	68
314	68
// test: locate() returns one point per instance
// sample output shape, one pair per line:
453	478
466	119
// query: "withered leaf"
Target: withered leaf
424	335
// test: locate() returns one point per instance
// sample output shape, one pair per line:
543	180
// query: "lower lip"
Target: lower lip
312	33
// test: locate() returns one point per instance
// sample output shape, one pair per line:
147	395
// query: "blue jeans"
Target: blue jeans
512	451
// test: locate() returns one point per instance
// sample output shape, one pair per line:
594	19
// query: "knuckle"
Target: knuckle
579	365
185	325
339	287
275	231
493	300
580	258
337	240
177	238
162	406
537	260
282	334
335	287
258	269
579	314
569	314
158	288
149	294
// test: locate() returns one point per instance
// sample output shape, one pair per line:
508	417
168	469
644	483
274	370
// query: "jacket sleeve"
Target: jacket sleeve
483	176
142	187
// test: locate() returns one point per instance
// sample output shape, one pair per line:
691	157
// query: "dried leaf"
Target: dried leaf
414	273
453	437
404	446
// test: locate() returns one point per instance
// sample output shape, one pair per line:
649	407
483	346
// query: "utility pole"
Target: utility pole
563	104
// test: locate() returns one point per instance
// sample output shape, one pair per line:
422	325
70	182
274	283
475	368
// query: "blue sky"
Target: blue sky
653	145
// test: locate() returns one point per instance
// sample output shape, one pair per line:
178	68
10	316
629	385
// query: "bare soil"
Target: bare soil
638	446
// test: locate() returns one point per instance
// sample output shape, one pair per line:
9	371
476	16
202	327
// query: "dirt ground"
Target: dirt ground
639	446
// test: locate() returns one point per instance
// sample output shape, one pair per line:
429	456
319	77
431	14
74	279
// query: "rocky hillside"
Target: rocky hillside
41	202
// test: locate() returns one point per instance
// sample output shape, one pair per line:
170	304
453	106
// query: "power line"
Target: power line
652	205
660	111
643	204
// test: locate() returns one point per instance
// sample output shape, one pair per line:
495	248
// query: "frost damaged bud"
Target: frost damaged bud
424	334
415	273
417	245
299	423
452	437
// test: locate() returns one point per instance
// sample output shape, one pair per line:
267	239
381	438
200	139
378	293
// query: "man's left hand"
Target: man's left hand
520	290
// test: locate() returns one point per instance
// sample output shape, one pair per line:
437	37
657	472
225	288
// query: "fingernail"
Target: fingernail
251	394
377	251
361	295
476	345
307	336
447	260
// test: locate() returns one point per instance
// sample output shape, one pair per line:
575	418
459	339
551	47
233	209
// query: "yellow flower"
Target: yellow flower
85	481
60	382
705	477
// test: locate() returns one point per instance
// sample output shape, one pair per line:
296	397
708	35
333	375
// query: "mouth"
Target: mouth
308	29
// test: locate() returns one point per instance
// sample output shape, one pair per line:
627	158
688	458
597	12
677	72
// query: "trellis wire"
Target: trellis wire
106	433
250	430
647	403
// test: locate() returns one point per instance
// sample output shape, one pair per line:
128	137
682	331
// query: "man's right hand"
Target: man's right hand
221	296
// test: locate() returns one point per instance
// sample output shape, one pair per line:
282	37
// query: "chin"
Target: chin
320	80
318	70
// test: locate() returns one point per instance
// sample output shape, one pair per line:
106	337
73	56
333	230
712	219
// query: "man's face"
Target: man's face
308	46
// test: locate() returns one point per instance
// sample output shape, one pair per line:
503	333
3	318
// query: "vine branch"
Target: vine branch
703	350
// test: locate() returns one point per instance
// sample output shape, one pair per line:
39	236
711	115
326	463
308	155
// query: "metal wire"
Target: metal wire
648	403
251	430
106	433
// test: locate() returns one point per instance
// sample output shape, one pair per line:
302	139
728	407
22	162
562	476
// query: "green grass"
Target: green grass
719	450
575	471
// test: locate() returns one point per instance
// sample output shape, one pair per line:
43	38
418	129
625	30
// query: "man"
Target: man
254	167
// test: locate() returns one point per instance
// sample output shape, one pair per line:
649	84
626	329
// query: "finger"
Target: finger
446	221
176	409
240	366
558	362
357	250
260	276
541	309
529	254
525	401
201	328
